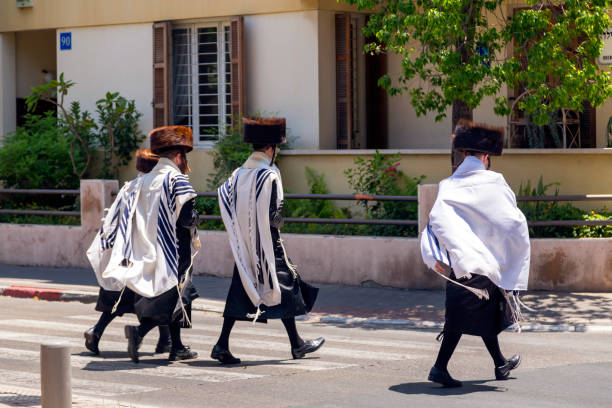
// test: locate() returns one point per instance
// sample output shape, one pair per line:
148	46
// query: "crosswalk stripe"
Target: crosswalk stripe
235	342
79	386
126	366
426	344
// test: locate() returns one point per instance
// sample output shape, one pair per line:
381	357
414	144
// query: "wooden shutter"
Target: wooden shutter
237	70
162	65
343	81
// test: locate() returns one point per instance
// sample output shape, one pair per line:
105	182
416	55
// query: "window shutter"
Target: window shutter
237	70
343	78
161	74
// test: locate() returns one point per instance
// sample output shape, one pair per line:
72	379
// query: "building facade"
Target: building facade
203	62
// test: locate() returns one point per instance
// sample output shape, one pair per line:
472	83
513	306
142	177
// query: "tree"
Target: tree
118	134
456	52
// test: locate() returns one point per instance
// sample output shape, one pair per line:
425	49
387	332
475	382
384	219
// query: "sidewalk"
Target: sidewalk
337	304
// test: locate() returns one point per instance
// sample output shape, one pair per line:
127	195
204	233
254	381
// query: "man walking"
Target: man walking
156	244
114	299
477	239
265	284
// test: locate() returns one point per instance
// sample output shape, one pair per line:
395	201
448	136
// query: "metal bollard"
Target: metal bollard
55	376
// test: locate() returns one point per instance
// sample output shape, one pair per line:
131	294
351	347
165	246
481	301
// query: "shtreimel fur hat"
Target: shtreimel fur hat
169	137
477	137
264	130
145	160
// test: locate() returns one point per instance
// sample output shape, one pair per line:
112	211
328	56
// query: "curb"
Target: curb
217	307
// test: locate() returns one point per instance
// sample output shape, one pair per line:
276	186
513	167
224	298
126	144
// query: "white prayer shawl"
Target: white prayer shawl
244	200
144	255
476	227
99	252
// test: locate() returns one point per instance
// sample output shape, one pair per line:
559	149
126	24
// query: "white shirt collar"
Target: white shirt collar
470	163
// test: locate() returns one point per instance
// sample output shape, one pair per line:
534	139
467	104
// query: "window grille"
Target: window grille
201	80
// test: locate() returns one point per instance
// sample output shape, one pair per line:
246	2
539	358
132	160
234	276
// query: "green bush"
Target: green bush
380	176
37	156
553	210
587	231
229	153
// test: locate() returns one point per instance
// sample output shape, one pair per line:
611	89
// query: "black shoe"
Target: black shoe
503	372
443	377
183	353
134	340
223	355
91	341
309	346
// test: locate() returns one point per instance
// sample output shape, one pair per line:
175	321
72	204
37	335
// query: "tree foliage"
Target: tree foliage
465	50
117	132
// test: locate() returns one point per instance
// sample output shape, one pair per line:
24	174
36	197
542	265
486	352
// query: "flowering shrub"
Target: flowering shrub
380	176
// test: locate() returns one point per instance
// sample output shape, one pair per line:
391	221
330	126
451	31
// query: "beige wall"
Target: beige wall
116	59
8	117
79	13
282	72
35	51
579	172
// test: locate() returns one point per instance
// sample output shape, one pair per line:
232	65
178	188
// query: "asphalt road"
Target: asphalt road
357	367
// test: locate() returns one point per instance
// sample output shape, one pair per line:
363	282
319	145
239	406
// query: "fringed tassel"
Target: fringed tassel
116	305
255	316
185	316
481	293
515	308
291	266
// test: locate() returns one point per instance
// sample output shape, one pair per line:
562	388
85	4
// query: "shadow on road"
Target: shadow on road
428	388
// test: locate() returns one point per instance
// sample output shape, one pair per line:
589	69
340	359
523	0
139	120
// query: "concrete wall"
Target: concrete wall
112	58
8	116
35	51
556	264
282	71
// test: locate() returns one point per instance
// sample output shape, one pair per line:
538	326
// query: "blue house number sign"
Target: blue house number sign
65	41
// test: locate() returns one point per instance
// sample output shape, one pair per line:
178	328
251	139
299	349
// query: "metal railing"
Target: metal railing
335	197
55	213
359	197
568	223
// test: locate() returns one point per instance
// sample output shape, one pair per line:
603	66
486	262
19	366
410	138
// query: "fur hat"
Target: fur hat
168	137
264	130
477	137
145	160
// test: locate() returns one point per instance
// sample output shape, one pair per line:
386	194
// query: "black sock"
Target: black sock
294	337
175	335
228	324
164	333
103	321
145	327
449	342
493	346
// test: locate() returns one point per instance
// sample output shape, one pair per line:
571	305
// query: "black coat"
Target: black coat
467	314
297	296
166	308
108	298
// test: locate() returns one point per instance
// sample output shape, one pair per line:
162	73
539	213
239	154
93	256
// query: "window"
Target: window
201	80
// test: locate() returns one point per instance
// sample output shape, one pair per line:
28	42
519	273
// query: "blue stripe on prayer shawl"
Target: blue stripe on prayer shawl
169	194
224	197
430	235
234	192
262	182
166	240
261	177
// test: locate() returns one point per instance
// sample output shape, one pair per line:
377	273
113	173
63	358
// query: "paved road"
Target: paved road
358	366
